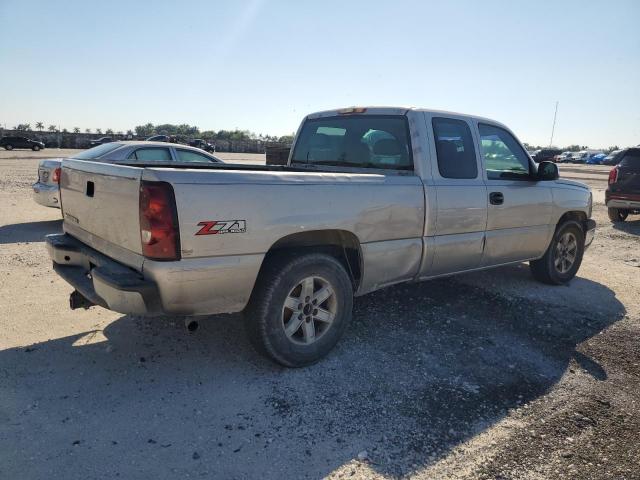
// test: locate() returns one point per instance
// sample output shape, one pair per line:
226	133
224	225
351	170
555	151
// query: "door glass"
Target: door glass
504	158
454	148
190	157
152	155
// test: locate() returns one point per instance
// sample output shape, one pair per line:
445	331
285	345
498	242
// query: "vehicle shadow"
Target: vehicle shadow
631	225
421	369
29	231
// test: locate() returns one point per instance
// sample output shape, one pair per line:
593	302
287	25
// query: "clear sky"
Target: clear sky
262	65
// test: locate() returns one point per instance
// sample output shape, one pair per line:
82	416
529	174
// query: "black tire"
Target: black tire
35	148
545	269
8	147
617	214
264	316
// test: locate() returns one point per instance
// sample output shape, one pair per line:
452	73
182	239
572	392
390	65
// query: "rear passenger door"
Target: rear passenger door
519	206
461	211
151	154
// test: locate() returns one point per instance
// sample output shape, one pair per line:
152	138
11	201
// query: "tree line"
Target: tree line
182	130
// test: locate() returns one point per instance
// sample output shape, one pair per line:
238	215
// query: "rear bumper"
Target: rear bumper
621	200
589	231
101	280
46	195
191	286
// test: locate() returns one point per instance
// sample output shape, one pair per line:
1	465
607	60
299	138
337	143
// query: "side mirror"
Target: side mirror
547	171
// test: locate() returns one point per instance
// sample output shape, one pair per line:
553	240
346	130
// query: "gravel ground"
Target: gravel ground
486	375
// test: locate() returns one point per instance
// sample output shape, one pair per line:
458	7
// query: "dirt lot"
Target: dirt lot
486	375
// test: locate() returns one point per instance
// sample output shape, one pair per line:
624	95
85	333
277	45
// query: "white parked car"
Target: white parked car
46	189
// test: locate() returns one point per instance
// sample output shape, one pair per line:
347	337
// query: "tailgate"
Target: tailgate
100	207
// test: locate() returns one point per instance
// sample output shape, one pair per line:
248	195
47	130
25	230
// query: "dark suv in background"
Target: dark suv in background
622	196
546	154
9	143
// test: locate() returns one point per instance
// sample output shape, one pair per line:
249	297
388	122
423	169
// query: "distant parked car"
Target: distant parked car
564	157
100	141
9	143
546	154
579	157
596	159
202	144
622	196
46	189
614	157
158	138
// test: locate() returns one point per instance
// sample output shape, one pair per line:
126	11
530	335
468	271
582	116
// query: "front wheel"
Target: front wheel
35	148
299	309
562	259
8	147
617	214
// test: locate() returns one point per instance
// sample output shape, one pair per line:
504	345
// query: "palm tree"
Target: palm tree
109	131
99	131
87	130
52	128
39	126
76	130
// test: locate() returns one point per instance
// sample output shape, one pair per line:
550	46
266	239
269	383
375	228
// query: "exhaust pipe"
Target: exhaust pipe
191	324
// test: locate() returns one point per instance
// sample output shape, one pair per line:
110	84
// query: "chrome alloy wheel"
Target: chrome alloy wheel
309	310
566	252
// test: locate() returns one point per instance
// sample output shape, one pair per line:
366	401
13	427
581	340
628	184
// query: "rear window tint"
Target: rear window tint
97	152
362	141
631	159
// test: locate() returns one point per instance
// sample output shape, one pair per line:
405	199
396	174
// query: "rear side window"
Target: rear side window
454	148
190	156
363	141
631	159
152	155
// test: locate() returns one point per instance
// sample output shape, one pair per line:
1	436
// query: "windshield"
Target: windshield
96	152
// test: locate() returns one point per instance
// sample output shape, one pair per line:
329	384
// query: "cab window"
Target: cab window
504	158
362	141
454	148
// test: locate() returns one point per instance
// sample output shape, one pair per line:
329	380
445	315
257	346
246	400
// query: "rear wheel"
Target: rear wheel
35	148
617	214
8	147
562	259
299	309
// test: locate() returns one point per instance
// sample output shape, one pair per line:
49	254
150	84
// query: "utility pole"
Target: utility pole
553	128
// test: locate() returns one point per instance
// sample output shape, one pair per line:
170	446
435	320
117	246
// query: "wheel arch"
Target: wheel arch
341	244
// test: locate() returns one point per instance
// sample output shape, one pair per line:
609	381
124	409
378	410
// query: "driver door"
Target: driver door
519	208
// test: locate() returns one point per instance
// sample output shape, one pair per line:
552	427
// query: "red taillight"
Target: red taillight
613	175
159	222
56	175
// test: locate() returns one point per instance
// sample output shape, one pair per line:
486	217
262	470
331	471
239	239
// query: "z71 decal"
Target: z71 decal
218	227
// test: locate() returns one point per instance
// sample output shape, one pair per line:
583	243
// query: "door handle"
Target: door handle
496	198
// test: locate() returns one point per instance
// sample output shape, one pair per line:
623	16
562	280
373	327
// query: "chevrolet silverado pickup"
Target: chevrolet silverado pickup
370	197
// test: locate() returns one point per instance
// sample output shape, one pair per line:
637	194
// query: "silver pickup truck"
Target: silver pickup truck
371	197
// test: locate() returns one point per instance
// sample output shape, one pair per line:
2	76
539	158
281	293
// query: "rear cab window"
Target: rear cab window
356	141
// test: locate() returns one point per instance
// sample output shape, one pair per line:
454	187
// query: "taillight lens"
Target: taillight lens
56	175
159	222
613	175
